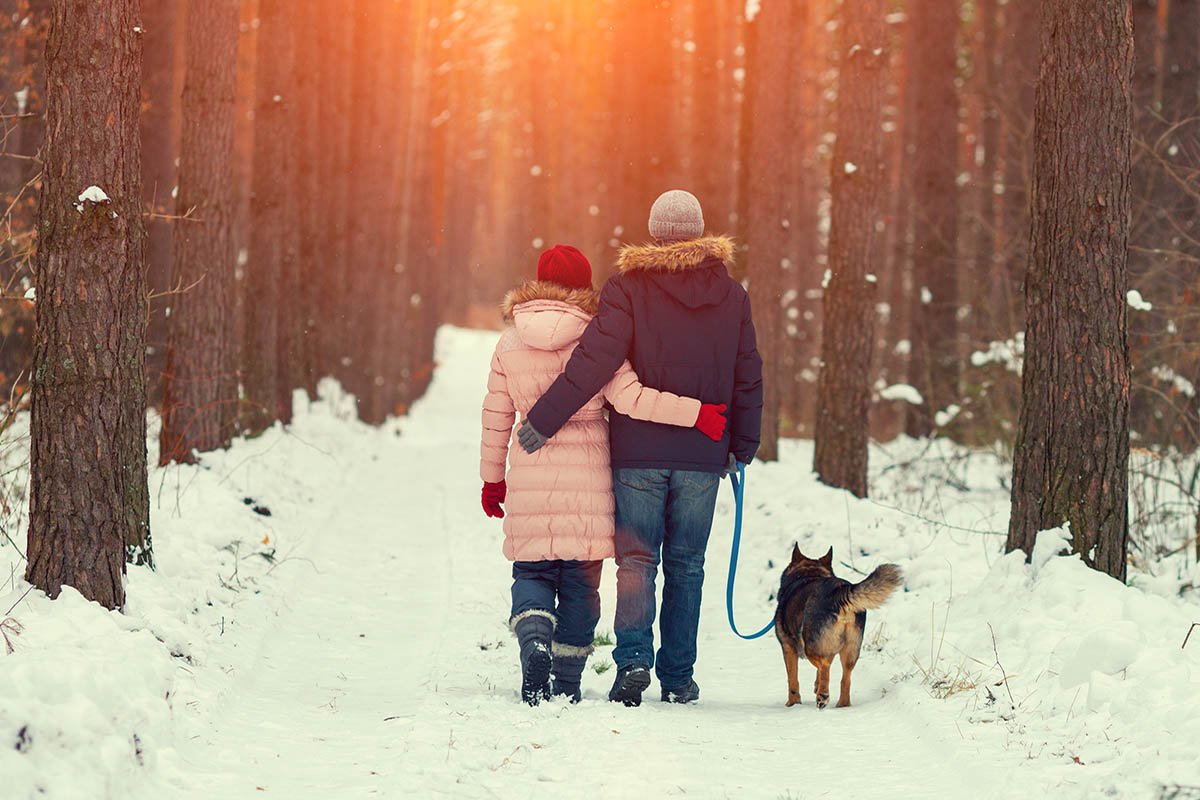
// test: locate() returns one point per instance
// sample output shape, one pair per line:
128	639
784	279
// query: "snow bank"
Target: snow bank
92	701
1016	679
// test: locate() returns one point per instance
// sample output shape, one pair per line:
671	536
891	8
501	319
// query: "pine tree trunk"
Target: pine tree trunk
934	367
200	390
89	507
766	141
335	53
160	136
848	329
373	159
265	335
1019	55
310	212
646	161
1072	452
992	297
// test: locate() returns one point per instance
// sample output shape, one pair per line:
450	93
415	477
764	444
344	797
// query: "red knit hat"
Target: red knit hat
566	266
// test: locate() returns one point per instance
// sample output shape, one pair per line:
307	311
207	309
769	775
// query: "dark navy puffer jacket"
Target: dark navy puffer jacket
674	311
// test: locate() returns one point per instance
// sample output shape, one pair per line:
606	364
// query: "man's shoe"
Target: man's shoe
684	694
630	682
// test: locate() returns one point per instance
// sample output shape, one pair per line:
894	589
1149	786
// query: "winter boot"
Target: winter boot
534	631
567	669
630	682
684	694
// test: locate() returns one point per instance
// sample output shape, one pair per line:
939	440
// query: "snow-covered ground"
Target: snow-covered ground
353	642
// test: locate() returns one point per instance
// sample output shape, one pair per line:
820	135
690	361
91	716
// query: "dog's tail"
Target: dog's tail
876	589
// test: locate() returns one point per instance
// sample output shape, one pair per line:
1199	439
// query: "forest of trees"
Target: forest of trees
971	219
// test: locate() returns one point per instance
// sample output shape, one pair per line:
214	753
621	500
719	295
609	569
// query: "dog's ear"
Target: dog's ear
827	559
796	554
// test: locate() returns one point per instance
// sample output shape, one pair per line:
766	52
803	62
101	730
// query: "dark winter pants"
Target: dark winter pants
662	515
570	590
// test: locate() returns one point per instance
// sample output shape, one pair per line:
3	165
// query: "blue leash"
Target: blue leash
739	486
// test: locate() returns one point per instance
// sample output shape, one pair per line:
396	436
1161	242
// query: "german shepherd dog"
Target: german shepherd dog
821	616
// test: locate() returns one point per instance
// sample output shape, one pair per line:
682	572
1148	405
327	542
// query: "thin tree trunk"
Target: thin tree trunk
1019	54
336	76
262	375
991	281
848	329
89	505
766	142
934	367
200	389
373	158
1072	450
160	137
309	212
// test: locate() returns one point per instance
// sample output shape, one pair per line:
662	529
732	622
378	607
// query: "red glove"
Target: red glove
711	421
493	496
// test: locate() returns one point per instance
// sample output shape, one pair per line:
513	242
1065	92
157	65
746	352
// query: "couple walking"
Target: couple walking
641	485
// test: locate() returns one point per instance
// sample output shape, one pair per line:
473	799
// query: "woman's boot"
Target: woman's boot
535	632
567	669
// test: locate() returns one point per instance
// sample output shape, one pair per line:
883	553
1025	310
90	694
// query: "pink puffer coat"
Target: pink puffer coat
560	501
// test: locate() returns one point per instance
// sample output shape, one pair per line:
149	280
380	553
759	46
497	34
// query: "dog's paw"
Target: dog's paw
822	700
793	701
843	703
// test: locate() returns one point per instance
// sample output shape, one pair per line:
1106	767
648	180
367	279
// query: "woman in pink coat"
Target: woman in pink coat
559	522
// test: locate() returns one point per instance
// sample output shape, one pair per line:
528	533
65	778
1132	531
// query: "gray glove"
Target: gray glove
531	441
731	466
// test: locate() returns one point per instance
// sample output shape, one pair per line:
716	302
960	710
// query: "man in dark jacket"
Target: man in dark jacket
674	311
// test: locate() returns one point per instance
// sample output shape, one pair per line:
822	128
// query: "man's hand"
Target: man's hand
731	466
531	441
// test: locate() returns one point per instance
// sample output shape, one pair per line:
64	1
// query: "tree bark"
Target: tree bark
1072	452
200	389
374	155
992	295
848	329
265	337
308	327
766	142
159	125
934	366
1019	55
89	505
335	52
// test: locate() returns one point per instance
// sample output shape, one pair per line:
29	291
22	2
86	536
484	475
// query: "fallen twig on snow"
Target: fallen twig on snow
7	626
1189	635
1003	674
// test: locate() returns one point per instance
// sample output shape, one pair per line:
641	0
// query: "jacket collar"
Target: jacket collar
586	300
676	256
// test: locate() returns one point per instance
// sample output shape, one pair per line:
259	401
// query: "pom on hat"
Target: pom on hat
566	266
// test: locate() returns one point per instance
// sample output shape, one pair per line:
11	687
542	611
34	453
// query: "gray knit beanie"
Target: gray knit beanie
676	217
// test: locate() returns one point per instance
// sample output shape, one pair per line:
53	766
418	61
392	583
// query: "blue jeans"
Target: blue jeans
570	590
662	515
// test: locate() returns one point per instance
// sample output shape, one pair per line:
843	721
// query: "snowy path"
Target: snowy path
389	671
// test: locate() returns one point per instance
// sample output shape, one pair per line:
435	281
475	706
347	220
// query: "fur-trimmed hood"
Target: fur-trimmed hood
548	316
694	273
676	256
586	300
